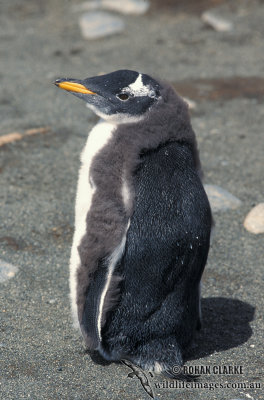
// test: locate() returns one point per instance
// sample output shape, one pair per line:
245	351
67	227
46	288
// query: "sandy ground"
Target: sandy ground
41	356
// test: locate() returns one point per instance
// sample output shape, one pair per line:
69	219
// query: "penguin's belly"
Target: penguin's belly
98	138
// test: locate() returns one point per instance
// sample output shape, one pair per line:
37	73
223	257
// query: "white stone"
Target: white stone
248	396
220	199
191	104
217	23
136	7
7	270
254	221
99	24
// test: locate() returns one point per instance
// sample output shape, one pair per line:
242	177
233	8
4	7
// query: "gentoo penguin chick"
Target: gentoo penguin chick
142	223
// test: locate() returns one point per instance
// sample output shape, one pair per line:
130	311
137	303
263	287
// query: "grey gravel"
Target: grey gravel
220	199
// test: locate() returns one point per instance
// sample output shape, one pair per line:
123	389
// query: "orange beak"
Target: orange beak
73	87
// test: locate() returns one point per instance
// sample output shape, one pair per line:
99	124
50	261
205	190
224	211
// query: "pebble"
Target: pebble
220	199
52	301
7	271
135	7
191	104
217	23
98	24
254	221
248	395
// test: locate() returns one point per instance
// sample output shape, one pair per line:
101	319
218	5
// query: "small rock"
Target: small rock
220	199
217	23
254	221
7	270
99	24
124	7
191	104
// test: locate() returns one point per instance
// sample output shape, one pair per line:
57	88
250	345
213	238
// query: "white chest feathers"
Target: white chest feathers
98	138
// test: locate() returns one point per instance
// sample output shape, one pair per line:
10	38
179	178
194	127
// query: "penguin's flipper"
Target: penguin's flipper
97	303
89	323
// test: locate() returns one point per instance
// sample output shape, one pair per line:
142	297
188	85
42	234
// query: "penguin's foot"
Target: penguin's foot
158	356
156	367
172	372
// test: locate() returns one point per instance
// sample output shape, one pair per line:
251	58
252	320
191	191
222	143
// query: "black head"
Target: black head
121	96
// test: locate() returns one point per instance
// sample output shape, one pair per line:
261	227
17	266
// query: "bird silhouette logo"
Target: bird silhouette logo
142	376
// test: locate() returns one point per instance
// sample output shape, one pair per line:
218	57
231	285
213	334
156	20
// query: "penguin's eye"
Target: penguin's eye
123	96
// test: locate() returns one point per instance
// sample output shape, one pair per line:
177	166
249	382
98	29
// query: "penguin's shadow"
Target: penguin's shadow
225	324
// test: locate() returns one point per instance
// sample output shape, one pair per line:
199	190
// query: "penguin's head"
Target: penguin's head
121	97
